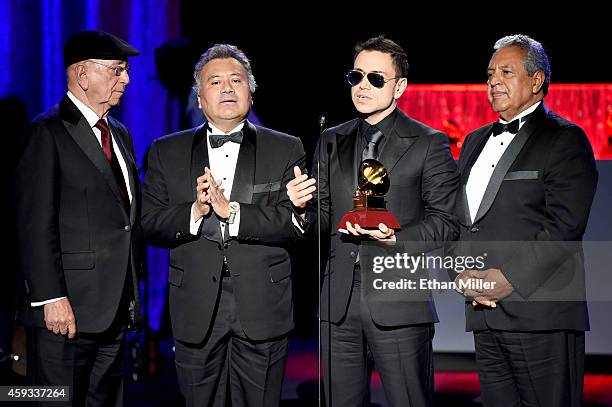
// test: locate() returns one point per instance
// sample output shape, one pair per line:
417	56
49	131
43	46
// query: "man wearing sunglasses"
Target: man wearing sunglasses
78	228
361	325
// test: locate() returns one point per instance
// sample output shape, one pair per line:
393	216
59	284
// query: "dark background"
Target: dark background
300	65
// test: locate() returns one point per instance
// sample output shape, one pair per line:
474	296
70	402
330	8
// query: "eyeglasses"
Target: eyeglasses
354	78
117	68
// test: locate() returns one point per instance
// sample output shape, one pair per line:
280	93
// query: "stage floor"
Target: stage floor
452	388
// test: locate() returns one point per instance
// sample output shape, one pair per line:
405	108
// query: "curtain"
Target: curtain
459	109
32	34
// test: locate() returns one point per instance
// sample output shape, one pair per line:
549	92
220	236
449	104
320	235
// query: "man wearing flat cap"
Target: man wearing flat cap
78	231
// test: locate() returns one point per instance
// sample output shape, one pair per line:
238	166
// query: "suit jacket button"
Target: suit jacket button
353	254
474	229
225	245
178	235
214	279
127	228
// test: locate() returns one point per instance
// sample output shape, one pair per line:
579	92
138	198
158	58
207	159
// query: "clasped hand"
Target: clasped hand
209	196
495	286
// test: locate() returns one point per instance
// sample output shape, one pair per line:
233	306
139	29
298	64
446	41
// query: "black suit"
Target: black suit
538	201
259	300
76	237
423	184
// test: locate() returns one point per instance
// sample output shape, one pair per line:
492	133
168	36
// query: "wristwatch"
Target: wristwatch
234	208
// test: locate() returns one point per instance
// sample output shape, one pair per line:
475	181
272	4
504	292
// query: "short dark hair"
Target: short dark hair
382	44
536	58
223	51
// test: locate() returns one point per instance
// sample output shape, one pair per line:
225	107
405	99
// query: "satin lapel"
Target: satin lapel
199	157
85	138
244	177
130	163
345	143
199	160
506	160
480	139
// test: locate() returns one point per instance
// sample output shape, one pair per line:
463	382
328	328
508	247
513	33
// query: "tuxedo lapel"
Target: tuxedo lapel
345	142
199	158
469	157
244	176
84	137
211	228
467	160
506	161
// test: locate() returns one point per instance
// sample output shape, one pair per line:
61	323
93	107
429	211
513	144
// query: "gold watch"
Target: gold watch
234	208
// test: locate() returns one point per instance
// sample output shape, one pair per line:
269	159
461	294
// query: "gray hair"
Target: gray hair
535	58
222	51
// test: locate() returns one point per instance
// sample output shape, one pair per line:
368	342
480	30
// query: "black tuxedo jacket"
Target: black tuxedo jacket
537	202
424	180
258	258
75	236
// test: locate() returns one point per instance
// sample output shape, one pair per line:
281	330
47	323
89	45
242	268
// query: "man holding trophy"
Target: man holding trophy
384	177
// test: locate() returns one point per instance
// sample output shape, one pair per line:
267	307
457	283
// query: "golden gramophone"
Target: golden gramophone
369	209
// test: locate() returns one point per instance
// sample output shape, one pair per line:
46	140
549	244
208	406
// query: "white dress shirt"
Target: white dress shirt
483	168
92	118
222	162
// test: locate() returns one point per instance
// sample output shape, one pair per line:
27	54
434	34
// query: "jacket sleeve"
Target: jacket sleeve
164	224
439	184
322	158
273	224
570	180
37	195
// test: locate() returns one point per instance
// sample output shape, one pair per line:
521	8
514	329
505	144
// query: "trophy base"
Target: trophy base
370	219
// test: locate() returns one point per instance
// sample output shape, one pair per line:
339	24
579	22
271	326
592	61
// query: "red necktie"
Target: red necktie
107	147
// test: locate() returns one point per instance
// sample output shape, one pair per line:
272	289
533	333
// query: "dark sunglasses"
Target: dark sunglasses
354	77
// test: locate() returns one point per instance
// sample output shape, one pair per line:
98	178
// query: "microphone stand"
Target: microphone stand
319	253
328	148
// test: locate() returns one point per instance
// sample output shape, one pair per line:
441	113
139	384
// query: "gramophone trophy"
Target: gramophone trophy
369	209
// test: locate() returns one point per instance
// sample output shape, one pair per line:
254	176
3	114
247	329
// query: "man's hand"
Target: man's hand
218	201
500	287
202	202
300	189
383	233
475	293
60	318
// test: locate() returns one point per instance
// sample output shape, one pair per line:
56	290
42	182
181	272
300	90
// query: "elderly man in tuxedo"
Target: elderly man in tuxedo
527	184
78	228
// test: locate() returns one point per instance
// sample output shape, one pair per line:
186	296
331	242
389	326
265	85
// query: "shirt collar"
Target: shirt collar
522	114
91	117
385	125
214	130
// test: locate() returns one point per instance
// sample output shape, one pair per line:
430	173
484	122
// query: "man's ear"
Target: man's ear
82	79
400	87
538	79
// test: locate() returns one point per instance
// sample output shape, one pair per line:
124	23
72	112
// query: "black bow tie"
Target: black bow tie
217	140
499	128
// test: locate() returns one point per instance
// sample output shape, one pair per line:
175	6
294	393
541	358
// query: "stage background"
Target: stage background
300	67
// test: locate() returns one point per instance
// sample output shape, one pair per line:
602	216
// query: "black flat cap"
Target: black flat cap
96	44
